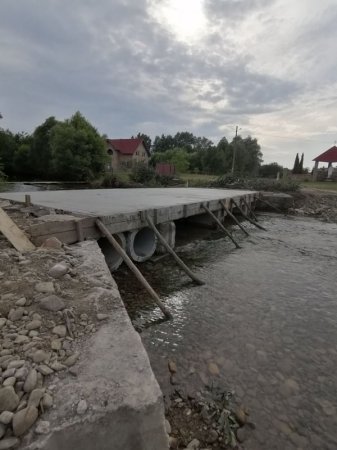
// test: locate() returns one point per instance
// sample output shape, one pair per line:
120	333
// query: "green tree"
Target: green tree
297	168
270	170
40	153
177	156
8	145
146	139
22	162
78	151
248	156
301	164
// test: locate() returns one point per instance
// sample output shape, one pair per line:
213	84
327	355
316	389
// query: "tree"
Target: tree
296	168
301	164
146	139
177	156
8	145
270	170
40	153
78	151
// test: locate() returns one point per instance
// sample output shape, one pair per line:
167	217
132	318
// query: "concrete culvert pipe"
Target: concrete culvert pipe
141	244
112	258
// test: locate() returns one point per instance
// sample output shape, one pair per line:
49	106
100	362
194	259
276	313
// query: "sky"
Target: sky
162	66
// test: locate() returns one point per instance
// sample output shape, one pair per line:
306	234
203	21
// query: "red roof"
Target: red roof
329	156
125	146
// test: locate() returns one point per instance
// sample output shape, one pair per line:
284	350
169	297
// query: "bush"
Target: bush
141	173
257	184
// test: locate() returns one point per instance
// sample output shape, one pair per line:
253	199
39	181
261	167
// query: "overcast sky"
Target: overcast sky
162	66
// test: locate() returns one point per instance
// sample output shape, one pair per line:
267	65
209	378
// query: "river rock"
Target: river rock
47	401
8	373
57	366
34	325
16	364
56	344
58	270
21	374
8	399
194	444
52	303
21	339
6	417
21	302
82	407
10	381
60	330
2	322
213	369
24	419
101	316
43	427
40	356
172	366
173	442
212	437
35	397
70	361
31	381
9	443
240	415
168	427
15	314
52	243
45	370
45	287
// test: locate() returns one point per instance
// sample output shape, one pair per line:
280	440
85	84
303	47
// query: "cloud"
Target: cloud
128	66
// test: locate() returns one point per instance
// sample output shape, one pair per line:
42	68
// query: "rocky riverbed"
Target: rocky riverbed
49	306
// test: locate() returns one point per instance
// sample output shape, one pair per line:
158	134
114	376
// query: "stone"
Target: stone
101	316
31	381
10	381
35	397
9	400
15	314
173	442
172	366
57	366
9	443
45	287
168	427
34	325
6	417
2	322
213	369
56	344
58	270
21	374
81	407
52	243
60	330
240	415
45	370
194	444
47	401
40	356
21	302
242	434
52	303
2	430
70	361
33	333
8	373
16	364
212	437
43	427
24	419
21	339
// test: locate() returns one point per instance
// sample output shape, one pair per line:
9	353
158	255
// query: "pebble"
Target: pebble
47	401
16	364
2	322
21	302
2	430
60	330
52	303
9	373
31	381
33	333
58	270
212	437
81	407
57	366
8	399
21	339
70	361
43	427
35	397
45	287
10	381
8	443
213	369
242	434
52	243
15	314
21	374
24	419
40	356
240	415
173	442
102	316
168	427
45	370
194	444
6	417
34	325
172	366
56	344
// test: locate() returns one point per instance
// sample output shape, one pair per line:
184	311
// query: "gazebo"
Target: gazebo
329	156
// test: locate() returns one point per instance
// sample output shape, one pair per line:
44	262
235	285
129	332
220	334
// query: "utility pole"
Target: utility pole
234	149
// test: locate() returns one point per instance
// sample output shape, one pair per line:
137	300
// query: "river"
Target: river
266	317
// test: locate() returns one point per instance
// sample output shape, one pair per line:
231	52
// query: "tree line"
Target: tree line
73	150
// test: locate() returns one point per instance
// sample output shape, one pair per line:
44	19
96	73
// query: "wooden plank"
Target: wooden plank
13	233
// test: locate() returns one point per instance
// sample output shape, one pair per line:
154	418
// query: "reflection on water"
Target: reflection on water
267	318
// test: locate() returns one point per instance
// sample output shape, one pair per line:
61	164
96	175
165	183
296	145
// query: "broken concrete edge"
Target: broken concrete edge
279	200
124	405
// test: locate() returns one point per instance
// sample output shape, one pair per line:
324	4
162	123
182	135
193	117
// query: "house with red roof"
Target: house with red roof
330	157
125	153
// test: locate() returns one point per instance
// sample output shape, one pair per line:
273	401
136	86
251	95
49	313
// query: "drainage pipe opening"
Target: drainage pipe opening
141	244
112	258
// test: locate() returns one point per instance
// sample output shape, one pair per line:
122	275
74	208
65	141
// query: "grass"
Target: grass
196	179
321	185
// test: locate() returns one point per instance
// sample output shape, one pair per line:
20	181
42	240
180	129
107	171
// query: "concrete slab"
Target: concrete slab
108	202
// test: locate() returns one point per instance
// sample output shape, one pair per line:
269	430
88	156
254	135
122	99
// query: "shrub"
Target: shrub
141	173
257	184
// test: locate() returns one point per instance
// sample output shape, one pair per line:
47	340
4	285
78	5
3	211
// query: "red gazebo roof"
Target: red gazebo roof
329	156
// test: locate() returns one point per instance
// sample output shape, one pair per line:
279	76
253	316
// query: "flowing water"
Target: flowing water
266	317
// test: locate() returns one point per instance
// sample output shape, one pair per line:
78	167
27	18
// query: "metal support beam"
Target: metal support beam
132	267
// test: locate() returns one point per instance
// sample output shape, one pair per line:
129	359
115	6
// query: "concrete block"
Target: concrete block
168	231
